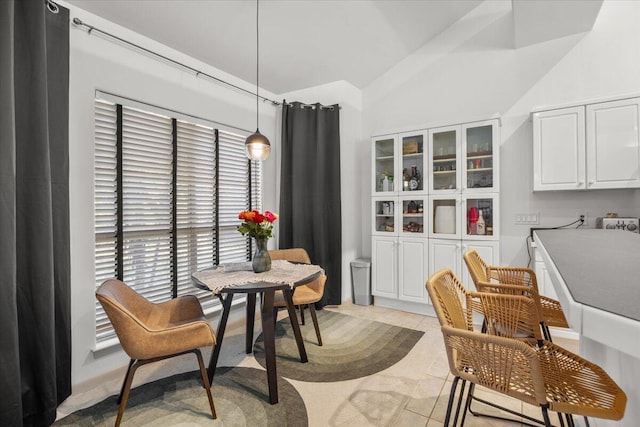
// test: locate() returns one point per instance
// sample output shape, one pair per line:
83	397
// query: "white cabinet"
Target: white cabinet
613	144
559	149
594	146
399	248
400	268
384	267
399	164
413	270
464	158
430	189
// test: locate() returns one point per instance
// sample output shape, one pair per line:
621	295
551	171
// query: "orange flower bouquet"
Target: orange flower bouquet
257	225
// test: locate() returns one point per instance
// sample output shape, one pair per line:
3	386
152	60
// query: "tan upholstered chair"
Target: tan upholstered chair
150	332
303	295
488	278
534	371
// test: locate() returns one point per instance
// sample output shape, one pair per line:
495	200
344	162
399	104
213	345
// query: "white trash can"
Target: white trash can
361	281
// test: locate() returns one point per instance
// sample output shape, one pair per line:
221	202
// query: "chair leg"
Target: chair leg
475	413
126	387
452	393
546	332
301	307
314	317
586	421
124	381
561	419
460	399
545	415
205	381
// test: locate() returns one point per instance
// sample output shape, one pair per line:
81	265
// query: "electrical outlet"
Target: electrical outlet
585	213
532	218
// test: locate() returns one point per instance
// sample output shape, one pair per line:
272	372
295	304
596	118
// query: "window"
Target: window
167	197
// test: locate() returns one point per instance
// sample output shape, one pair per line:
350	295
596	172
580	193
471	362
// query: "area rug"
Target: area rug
240	396
352	348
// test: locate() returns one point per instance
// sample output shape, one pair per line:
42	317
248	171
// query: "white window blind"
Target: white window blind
207	179
196	205
234	197
147	181
105	204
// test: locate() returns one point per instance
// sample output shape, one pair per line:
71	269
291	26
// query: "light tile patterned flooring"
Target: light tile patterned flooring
414	392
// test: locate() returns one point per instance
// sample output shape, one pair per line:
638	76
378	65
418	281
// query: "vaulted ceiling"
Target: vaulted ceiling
305	43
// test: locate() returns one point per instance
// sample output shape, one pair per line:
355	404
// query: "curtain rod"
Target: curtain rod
303	105
197	72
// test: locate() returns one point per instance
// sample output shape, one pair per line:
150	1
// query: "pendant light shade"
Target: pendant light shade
257	145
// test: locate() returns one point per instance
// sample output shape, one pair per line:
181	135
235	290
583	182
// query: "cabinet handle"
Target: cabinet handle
591	182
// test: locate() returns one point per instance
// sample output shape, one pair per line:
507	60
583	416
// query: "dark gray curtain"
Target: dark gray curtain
310	201
35	336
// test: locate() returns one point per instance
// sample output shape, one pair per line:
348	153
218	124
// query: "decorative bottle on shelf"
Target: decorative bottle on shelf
414	182
473	220
405	179
480	226
385	184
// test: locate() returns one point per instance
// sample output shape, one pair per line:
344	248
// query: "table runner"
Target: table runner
230	275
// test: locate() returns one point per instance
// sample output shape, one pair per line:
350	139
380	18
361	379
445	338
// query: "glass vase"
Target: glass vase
261	259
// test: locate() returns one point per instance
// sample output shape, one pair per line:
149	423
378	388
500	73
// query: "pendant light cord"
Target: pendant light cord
257	64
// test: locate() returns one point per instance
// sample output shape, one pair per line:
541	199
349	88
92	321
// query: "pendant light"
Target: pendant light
257	145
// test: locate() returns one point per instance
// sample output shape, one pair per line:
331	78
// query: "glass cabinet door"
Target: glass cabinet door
413	216
385	215
445	159
413	149
444	216
480	213
480	156
384	155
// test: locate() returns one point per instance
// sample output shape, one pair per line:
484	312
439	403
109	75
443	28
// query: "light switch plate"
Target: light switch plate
531	218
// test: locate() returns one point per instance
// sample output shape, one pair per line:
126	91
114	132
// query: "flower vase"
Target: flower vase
261	259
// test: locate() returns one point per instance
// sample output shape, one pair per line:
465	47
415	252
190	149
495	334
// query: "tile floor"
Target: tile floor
413	392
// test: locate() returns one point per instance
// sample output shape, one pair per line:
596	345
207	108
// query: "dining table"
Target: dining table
226	280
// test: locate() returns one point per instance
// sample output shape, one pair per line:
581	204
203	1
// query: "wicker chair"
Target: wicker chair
151	332
304	295
489	278
534	371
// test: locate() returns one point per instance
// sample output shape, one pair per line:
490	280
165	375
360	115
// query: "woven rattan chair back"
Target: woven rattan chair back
452	302
549	310
510	316
476	266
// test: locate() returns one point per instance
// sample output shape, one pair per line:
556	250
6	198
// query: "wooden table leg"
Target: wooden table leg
213	362
288	296
268	333
251	313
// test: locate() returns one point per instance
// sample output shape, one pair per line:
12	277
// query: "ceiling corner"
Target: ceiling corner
537	21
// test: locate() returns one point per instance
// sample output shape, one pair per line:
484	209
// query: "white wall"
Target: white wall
353	165
471	72
97	63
